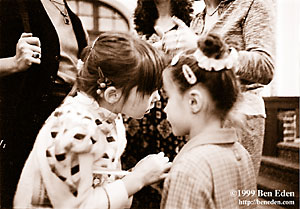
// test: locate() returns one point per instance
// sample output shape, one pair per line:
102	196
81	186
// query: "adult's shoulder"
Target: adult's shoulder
259	4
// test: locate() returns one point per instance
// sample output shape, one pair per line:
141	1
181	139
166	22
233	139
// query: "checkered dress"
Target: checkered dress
207	172
78	139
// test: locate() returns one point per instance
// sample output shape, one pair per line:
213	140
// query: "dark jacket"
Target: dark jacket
25	98
35	81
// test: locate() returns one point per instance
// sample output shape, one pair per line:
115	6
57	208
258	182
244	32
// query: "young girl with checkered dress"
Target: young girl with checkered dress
212	167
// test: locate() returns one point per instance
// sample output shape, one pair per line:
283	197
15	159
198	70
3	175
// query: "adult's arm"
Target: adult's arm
256	62
26	47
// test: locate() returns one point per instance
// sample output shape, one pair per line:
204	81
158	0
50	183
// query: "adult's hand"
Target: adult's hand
28	51
181	39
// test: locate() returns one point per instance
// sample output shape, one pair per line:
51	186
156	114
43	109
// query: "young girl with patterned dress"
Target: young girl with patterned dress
212	167
75	161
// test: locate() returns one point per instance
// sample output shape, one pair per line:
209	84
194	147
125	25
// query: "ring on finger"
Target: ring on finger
36	55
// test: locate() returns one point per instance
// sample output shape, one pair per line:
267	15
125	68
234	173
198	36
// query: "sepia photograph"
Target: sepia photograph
149	104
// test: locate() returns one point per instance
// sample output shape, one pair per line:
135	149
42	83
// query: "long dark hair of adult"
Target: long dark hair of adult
146	14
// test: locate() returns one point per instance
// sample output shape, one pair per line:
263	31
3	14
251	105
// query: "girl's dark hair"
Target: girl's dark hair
124	60
222	85
146	14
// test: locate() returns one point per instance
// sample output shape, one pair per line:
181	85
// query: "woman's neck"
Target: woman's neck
164	9
212	4
164	20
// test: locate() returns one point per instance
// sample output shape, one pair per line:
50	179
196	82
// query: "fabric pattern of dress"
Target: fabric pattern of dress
208	171
78	142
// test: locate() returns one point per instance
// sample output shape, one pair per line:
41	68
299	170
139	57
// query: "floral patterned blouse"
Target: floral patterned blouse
74	159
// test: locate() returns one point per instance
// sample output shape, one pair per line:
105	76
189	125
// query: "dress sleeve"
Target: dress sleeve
77	142
183	190
112	196
257	60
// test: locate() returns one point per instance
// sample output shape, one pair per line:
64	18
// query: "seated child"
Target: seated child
75	161
212	167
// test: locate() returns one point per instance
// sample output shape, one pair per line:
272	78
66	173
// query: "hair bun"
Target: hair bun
212	46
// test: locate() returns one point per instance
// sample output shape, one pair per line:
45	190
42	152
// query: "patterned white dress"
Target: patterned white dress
74	158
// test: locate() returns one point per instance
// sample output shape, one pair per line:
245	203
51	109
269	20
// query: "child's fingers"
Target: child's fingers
161	154
168	166
163	176
163	158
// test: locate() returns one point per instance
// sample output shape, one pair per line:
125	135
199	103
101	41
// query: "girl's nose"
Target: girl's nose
156	97
165	109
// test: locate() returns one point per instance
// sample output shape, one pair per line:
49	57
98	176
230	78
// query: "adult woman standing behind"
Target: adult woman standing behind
37	71
248	26
153	133
158	13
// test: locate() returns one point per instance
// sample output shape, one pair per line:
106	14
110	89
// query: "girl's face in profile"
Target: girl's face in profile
176	108
137	105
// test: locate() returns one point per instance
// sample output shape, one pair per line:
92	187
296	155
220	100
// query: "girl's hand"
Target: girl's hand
181	39
152	168
28	51
149	170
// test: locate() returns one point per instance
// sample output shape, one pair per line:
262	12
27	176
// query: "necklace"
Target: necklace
216	9
63	12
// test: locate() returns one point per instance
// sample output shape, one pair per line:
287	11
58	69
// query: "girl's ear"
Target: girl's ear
195	99
112	95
